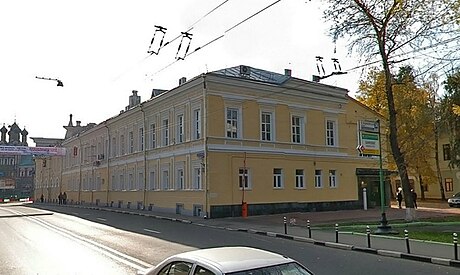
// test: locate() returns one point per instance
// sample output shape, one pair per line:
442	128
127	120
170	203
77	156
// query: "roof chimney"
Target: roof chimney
287	72
182	80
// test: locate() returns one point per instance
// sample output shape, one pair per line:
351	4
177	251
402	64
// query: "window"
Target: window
130	182
153	136
318	179
122	145
331	139
232	123
202	271
114	147
197	178
243	178
197	124
449	183
176	268
180	129
165	180
296	126
141	139
165	128
332	179
121	184
180	179
131	142
299	178
266	126
140	181
277	178
446	151
152	181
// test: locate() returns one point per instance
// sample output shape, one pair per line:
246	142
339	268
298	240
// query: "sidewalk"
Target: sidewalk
296	229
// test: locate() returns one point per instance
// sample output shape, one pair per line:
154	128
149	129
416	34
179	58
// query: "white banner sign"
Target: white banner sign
36	151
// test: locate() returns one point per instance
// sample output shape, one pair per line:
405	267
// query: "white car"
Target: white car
454	200
228	260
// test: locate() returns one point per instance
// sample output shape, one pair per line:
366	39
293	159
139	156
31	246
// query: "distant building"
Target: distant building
235	139
16	170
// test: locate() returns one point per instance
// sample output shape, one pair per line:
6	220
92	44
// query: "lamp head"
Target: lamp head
59	83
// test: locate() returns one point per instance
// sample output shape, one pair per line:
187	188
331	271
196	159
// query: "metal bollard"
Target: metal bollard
285	225
336	233
406	237
368	233
455	246
309	229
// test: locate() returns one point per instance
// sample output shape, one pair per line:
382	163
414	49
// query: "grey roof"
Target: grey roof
250	73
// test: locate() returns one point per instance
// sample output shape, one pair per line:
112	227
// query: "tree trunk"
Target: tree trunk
394	145
422	190
438	167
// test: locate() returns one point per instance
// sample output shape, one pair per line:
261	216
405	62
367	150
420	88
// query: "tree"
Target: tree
414	117
451	114
392	32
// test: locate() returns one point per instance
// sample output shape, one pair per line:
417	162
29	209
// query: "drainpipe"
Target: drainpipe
205	145
80	164
108	160
144	149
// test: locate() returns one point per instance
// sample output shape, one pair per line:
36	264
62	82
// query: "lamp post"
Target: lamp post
383	228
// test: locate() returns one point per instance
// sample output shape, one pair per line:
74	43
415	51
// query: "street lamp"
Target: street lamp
59	82
383	228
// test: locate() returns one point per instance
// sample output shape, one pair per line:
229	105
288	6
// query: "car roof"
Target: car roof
232	259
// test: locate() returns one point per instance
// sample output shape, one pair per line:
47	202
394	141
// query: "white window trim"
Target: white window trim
319	179
239	121
279	178
180	131
302	177
302	128
248	185
335	132
272	124
333	179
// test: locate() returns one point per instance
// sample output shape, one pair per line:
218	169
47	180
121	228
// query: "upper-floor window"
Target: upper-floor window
318	179
180	129
449	184
152	181
153	137
232	123
180	179
266	126
122	145
197	123
277	178
131	142
165	130
331	132
446	151
197	178
299	178
165	180
141	139
114	147
296	129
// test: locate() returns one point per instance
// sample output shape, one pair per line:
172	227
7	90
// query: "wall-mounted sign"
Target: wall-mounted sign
369	143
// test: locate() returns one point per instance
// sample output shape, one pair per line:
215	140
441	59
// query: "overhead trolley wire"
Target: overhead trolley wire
163	30
217	38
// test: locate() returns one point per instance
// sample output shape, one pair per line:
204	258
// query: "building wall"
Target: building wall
116	162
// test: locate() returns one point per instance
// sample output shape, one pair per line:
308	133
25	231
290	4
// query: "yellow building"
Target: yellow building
241	134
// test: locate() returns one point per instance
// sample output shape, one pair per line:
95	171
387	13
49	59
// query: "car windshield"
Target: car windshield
457	195
282	269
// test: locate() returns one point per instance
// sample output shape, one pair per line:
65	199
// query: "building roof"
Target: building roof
247	72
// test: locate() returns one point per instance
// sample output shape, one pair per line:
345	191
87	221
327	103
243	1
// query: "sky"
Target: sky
98	49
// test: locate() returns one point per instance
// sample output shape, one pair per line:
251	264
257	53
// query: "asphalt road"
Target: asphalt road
66	240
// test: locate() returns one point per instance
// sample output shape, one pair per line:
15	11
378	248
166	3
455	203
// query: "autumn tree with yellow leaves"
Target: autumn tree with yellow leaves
394	33
414	117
